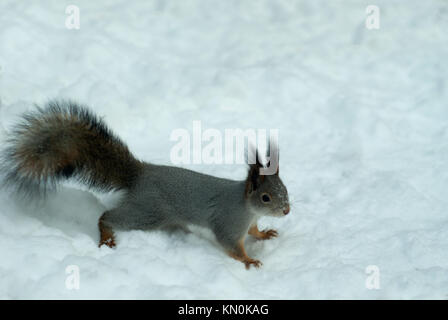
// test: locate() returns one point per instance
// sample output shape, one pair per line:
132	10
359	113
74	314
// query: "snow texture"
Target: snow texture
363	123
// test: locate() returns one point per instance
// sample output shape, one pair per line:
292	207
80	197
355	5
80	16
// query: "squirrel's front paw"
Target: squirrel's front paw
268	234
256	263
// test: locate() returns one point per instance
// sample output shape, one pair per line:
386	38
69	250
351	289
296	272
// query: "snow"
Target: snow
363	127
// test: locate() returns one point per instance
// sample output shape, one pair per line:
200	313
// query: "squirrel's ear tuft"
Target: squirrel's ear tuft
253	157
268	165
273	153
254	178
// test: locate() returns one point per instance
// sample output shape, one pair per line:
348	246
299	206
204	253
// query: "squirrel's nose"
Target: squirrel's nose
286	211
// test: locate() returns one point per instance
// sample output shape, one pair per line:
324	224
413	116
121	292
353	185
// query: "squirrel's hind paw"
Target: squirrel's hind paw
106	234
110	242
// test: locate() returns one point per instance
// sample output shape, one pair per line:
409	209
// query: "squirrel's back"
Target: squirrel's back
187	194
64	140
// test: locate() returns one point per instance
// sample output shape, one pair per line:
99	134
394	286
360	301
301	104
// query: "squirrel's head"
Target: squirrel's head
266	193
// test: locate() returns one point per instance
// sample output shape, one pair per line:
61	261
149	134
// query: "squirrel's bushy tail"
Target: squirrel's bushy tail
64	140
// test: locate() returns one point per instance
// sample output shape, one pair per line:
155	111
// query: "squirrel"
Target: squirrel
64	140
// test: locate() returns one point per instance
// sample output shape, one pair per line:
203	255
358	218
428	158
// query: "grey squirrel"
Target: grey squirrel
66	140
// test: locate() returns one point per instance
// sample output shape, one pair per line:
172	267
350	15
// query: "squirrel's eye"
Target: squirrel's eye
265	197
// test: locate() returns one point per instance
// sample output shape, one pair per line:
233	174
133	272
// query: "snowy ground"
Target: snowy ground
363	125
